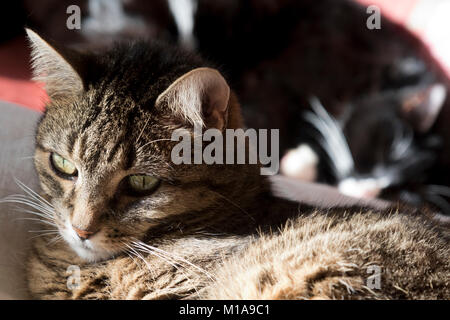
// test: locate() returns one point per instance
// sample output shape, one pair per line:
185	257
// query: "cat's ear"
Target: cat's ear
421	107
200	97
51	67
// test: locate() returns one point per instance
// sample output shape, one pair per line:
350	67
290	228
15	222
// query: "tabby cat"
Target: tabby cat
140	227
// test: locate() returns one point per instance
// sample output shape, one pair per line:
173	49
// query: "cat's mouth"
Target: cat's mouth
90	249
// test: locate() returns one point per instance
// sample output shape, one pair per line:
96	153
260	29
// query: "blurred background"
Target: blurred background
428	19
384	90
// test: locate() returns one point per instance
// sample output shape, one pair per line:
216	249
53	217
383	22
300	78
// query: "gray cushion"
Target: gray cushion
16	149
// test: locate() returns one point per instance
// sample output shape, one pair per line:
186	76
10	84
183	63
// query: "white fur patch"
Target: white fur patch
362	188
332	139
88	250
183	11
300	163
108	17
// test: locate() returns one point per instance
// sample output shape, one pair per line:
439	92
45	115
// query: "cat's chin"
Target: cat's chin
87	250
91	254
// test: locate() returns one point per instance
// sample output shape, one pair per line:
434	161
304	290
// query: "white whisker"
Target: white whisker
37	220
153	141
44	230
172	256
54	240
32	193
165	256
142	131
36	213
438	189
440	202
29	202
44	234
233	203
43	210
332	139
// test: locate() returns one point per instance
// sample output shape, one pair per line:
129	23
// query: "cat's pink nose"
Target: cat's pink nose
83	234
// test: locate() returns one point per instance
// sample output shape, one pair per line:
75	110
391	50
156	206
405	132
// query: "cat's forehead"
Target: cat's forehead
95	129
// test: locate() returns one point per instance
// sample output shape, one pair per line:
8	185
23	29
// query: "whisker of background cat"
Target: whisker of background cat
435	194
338	150
438	189
317	136
174	257
440	202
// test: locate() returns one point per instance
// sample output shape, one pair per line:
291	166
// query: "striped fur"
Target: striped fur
204	222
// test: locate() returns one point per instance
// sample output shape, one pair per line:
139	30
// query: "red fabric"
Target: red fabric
15	83
425	18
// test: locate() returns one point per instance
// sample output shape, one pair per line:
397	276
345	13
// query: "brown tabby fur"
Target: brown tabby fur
215	230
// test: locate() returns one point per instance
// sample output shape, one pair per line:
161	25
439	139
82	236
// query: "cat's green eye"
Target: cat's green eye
63	166
142	183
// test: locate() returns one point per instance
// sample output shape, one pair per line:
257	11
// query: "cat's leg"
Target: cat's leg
286	276
342	255
55	272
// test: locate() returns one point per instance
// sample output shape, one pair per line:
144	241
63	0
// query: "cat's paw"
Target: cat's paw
300	163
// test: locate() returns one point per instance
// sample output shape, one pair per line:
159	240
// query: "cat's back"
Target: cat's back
342	255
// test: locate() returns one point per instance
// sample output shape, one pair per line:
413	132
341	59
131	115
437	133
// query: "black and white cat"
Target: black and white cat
382	86
380	146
